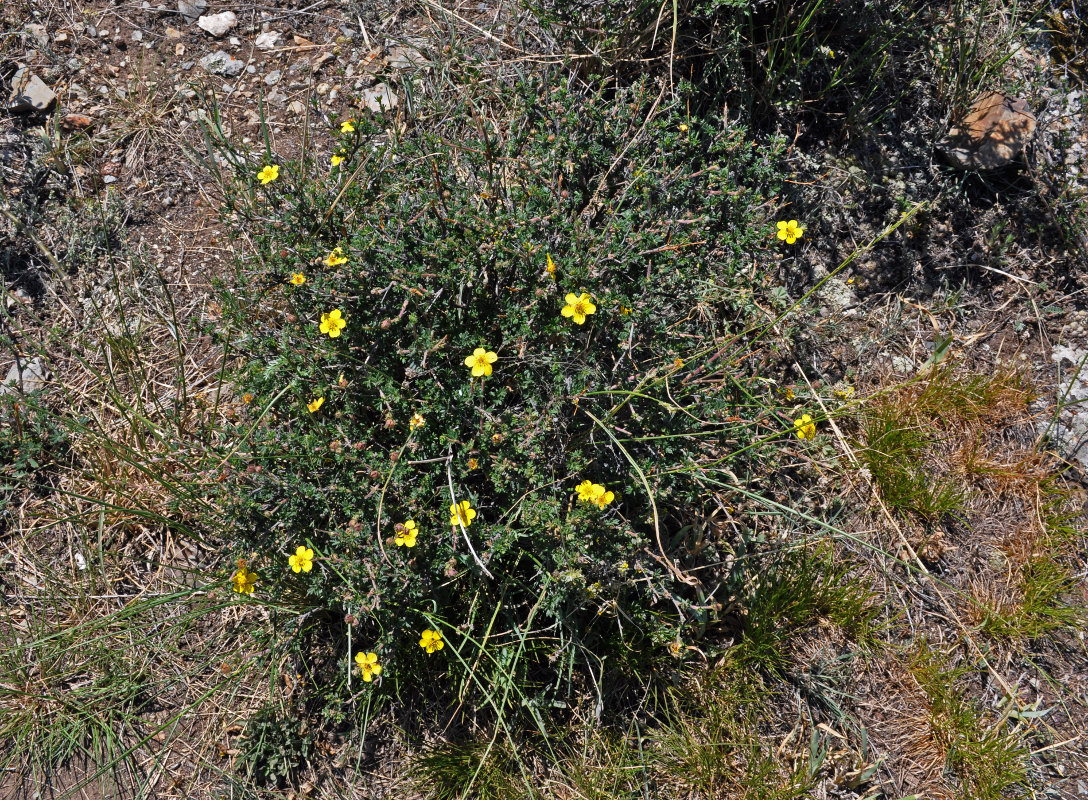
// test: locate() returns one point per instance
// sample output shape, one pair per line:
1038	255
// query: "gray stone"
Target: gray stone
902	364
838	294
269	40
191	10
217	24
273	77
405	57
1069	426
28	93
32	377
223	63
37	32
379	98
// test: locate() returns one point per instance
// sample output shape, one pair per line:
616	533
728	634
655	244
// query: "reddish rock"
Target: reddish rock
76	122
993	133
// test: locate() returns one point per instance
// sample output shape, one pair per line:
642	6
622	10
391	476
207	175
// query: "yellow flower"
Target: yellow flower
336	258
302	560
602	496
589	492
406	537
316	404
368	663
579	307
431	641
298	278
347	127
624	310
336	159
481	361
332	323
586	490
473	463
805	428
790	231
550	269
268	173
462	513
416	421
247	398
244	581
683	128
845	392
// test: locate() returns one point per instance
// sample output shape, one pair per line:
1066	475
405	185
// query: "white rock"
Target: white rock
1067	427
269	40
405	57
217	24
31	378
378	98
223	63
29	93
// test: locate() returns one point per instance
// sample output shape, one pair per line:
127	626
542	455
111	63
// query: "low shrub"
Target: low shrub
532	309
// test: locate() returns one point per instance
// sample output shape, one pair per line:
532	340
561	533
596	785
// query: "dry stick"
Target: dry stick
903	540
672	47
440	8
457	514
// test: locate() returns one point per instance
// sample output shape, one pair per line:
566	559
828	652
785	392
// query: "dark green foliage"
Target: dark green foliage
447	231
31	440
275	746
